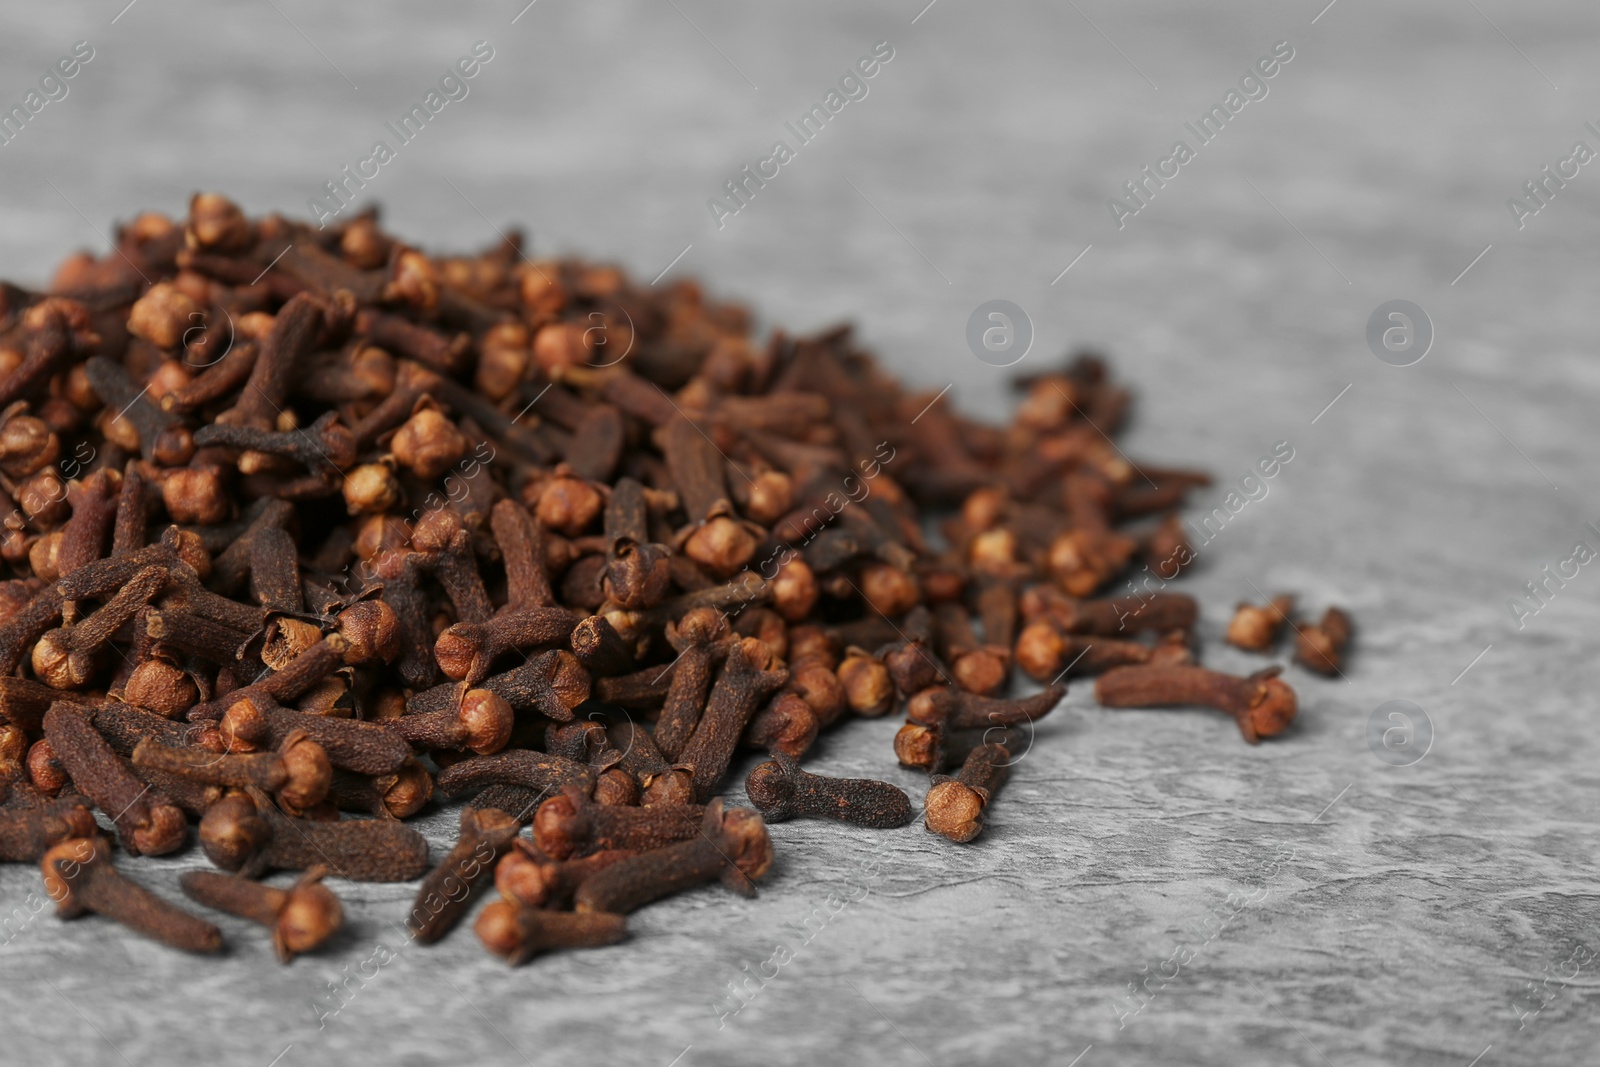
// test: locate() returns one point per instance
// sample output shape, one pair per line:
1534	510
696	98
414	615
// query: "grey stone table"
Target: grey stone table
1304	901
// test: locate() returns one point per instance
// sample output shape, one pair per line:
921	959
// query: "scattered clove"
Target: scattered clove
956	805
731	845
1255	628
1320	647
781	790
1262	704
301	917
79	877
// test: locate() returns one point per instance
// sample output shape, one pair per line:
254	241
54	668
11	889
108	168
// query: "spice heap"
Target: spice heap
305	524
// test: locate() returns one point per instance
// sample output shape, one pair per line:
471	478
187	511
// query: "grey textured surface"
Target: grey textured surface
1389	914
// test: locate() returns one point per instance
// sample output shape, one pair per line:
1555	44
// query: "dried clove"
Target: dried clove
1262	704
1320	647
781	790
245	832
731	845
573	824
447	889
26	834
1255	628
147	822
528	877
79	877
301	918
955	805
517	934
739	690
958	710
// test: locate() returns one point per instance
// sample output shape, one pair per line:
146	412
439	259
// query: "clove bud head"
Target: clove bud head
1271	712
743	838
955	810
522	876
486	719
1255	627
310	915
309	769
232	831
517	934
917	746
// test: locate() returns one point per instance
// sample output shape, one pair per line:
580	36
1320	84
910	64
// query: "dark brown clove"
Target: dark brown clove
517	934
1321	647
739	690
522	547
363	747
481	722
466	650
390	796
732	845
298	772
958	710
447	889
692	636
79	877
935	749
573	824
534	770
786	725
1262	704
553	683
781	790
147	822
27	833
528	877
245	832
301	918
1045	653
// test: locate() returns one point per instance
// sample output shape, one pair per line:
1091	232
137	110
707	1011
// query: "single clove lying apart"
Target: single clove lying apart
1262	704
1255	627
301	918
1320	647
956	805
781	790
79	877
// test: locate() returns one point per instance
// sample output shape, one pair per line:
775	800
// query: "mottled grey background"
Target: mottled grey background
1397	914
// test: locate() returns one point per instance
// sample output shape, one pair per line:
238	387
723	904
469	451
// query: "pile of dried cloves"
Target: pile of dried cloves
307	530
